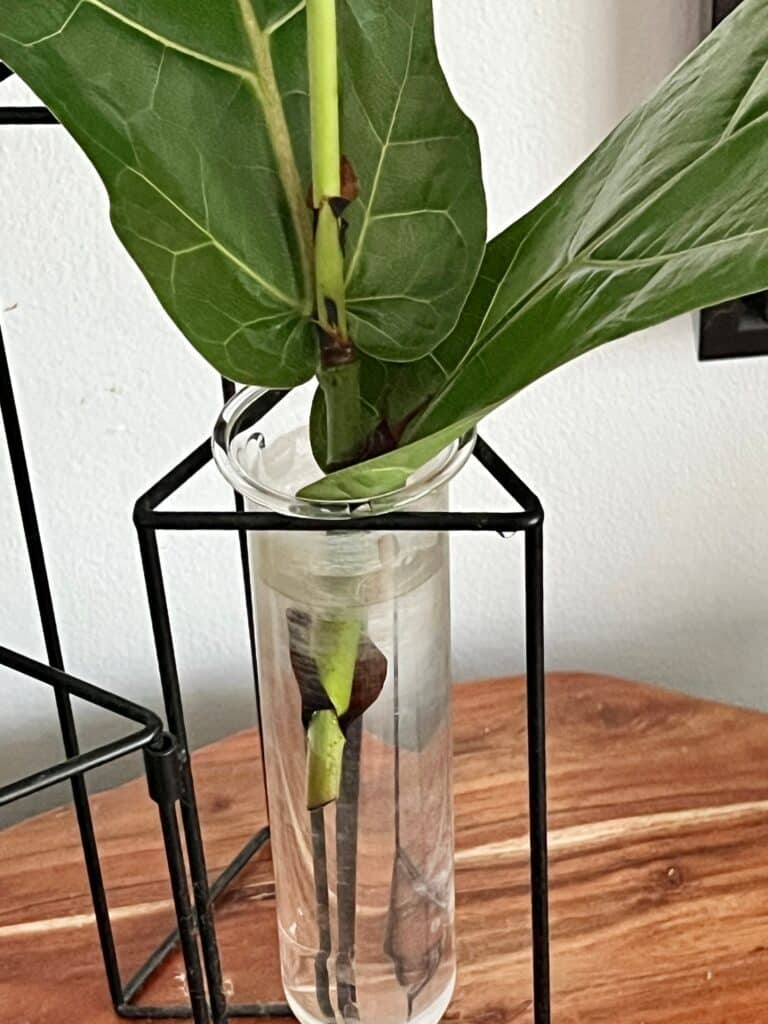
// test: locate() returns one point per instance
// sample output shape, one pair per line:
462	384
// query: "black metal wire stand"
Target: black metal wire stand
161	754
527	518
167	754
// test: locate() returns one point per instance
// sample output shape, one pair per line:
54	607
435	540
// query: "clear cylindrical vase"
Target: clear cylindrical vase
353	631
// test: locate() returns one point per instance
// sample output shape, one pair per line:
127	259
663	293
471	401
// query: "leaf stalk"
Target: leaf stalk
322	47
338	373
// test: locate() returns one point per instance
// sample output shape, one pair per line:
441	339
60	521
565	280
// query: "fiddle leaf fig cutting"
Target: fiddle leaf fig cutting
197	117
304	195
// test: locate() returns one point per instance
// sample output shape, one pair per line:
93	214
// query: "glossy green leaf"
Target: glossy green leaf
670	214
187	111
195	115
417	234
159	103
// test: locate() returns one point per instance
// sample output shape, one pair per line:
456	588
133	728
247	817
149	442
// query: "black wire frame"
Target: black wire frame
161	756
170	772
527	519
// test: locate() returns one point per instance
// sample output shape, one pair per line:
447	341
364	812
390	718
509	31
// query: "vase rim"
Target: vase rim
235	432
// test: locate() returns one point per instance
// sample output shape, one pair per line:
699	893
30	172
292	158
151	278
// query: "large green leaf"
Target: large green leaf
670	214
180	108
417	235
386	473
195	115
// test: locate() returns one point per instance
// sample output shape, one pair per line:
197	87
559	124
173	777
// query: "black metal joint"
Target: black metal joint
141	515
163	770
537	518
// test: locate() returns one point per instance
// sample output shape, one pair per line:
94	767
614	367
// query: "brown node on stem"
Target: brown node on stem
350	186
370	672
386	436
370	676
313	695
350	190
335	348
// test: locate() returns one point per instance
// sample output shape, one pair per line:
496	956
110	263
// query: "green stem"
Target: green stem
335	645
339	372
325	754
343	413
322	46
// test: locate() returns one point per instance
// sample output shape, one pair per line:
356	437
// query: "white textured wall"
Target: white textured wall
652	467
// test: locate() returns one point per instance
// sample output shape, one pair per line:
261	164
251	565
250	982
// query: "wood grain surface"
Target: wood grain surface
659	836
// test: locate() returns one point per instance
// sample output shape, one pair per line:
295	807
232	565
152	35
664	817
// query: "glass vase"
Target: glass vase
353	631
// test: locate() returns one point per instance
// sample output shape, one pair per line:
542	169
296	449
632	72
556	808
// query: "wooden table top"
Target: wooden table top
659	837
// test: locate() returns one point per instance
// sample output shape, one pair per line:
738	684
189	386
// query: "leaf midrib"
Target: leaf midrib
280	137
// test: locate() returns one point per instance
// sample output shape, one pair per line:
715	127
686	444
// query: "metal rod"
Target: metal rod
508	479
163	769
76	764
169	678
29	520
537	770
153	962
184	913
74	767
26	116
235	866
249	1011
494	522
176	478
39	570
173	480
171	941
72	686
145	513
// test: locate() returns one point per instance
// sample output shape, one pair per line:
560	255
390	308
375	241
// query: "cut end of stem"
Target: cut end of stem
325	756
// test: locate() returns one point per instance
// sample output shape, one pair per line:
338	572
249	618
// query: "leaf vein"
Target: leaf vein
219	246
165	41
